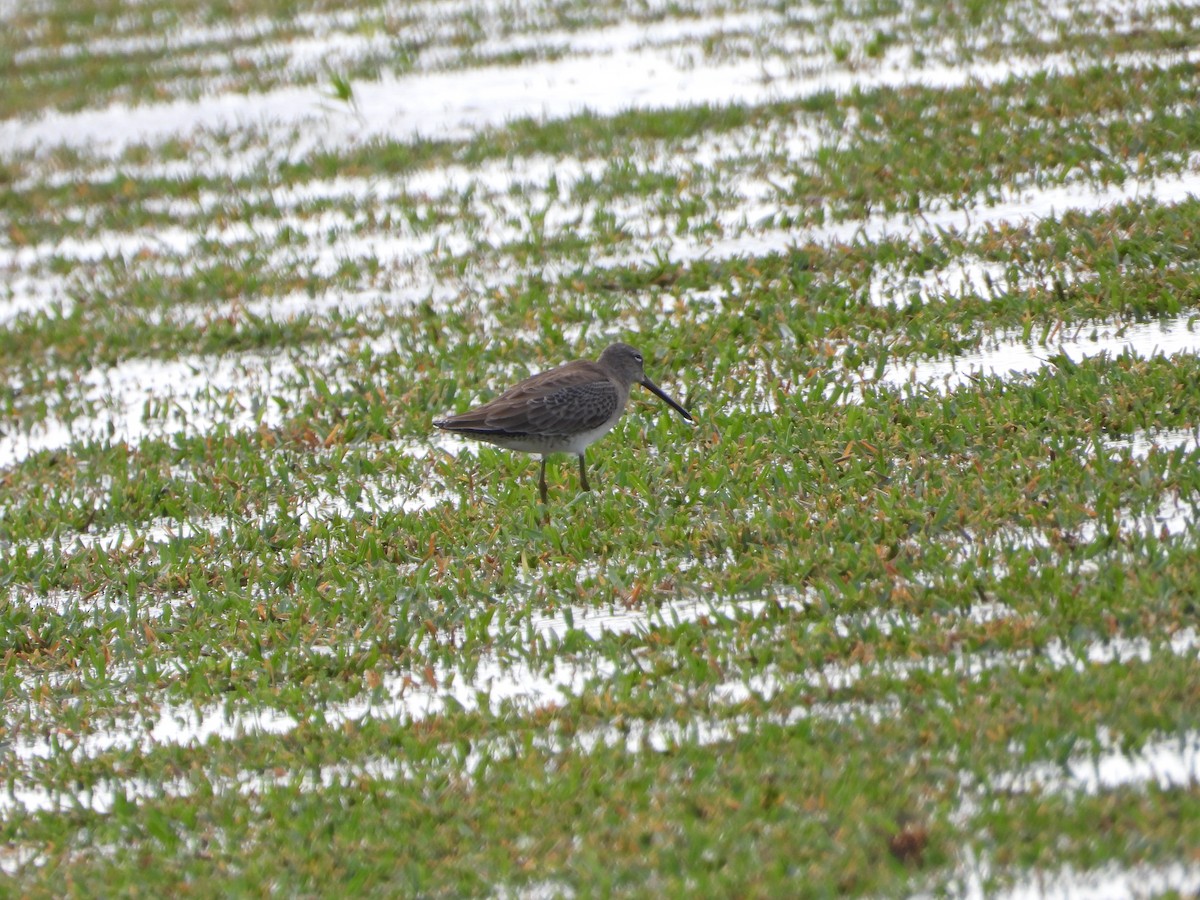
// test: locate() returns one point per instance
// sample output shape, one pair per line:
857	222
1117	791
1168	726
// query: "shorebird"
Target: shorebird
564	410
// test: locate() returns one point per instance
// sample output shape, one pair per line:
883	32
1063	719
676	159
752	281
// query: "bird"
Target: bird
563	410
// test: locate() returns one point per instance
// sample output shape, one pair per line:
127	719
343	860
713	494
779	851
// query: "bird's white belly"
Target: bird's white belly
578	443
557	443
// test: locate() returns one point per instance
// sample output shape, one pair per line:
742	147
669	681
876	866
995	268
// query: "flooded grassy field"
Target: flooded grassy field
911	610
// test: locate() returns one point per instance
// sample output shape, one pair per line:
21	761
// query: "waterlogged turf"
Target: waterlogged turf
911	609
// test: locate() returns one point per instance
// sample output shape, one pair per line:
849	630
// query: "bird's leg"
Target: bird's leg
583	474
542	481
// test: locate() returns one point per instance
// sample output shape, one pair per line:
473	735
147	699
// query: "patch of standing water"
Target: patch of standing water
596	622
1009	354
336	239
660	736
838	676
967	218
1142	443
383	496
960	278
1107	882
1102	883
25	295
158	531
143	399
1003	548
140	399
173	726
503	687
616	74
1168	763
14	857
1173	516
99	798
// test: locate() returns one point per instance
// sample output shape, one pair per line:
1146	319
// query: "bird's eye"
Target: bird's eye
638	357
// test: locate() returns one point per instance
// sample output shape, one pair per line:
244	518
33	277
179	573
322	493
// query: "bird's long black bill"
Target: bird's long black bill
663	396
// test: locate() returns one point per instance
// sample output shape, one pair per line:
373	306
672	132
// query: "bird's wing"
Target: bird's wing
570	410
566	400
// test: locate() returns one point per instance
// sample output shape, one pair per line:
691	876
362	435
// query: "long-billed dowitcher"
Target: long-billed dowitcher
564	410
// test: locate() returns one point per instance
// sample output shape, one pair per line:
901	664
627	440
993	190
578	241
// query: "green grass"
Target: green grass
857	638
